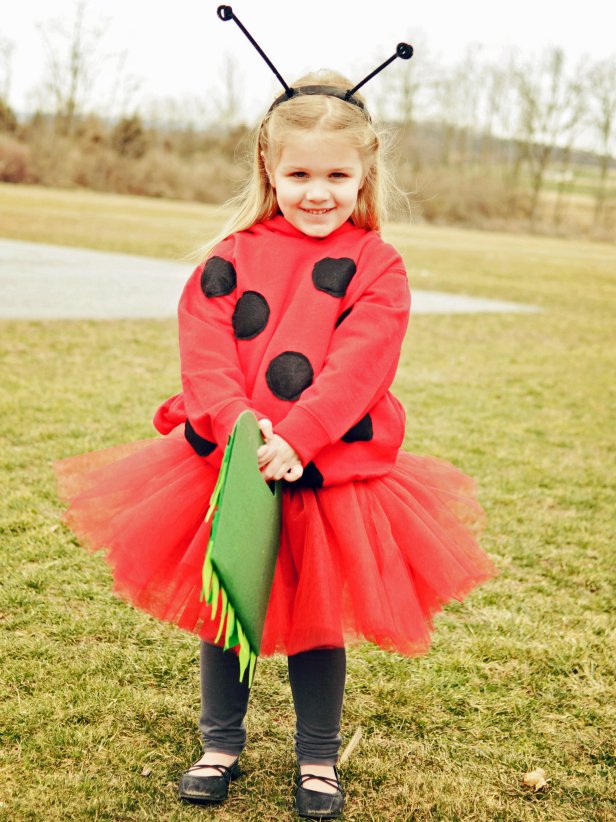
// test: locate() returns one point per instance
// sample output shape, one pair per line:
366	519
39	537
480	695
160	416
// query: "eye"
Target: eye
338	175
299	175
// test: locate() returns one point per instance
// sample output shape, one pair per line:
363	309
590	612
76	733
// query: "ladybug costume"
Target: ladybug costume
306	332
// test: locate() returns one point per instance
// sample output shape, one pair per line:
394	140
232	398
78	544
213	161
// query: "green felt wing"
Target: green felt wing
243	546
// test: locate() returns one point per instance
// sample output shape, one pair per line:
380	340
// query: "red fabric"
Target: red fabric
382	545
374	558
354	364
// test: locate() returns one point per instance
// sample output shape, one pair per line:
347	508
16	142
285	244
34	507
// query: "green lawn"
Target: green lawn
522	675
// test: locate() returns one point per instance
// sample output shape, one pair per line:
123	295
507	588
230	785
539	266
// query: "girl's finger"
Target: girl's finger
264	454
294	473
266	428
270	470
278	468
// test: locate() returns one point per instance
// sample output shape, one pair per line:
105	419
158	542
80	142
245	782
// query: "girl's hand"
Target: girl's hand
277	459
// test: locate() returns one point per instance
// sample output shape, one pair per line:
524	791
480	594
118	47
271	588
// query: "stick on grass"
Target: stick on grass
353	743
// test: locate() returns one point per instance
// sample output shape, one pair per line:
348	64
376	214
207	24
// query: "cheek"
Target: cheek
352	192
281	191
289	192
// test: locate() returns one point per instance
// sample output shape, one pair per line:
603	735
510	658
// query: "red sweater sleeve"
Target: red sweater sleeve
359	368
212	380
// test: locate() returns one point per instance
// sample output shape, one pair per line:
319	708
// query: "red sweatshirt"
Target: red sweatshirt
305	331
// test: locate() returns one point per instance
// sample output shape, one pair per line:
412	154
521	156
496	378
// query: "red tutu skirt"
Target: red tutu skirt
373	558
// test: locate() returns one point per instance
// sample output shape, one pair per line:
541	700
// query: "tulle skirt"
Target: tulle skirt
372	559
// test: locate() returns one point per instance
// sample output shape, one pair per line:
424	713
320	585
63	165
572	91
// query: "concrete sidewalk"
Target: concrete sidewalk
57	282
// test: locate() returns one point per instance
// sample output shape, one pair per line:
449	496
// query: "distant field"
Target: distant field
110	222
522	675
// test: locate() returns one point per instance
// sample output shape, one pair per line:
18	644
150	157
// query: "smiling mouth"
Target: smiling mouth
317	211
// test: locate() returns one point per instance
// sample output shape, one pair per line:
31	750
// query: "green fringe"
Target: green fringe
222	474
213	590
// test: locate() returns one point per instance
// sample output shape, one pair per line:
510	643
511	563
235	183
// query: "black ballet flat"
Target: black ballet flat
201	790
316	804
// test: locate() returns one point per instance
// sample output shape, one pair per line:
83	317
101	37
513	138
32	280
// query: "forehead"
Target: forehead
318	150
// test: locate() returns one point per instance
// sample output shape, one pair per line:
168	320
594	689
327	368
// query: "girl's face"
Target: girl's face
317	179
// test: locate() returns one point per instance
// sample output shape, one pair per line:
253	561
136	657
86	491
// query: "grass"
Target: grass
522	675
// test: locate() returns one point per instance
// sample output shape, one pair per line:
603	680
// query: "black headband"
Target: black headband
330	91
403	50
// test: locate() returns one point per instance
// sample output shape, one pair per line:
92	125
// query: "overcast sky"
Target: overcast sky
176	50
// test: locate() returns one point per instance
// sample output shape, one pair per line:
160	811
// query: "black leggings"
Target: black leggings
317	680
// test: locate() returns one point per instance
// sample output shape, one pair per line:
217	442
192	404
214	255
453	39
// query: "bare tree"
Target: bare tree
455	104
73	56
7	47
403	86
572	122
602	95
495	110
444	107
398	98
468	83
227	96
550	109
125	86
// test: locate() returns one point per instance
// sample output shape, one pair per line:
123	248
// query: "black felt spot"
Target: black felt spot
250	315
218	278
311	478
333	275
289	374
361	431
343	316
202	446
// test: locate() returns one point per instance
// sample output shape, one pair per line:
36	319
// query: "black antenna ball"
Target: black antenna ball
404	50
225	12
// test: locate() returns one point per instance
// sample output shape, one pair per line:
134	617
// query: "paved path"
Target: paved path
56	282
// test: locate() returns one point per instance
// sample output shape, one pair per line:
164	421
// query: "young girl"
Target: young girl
298	314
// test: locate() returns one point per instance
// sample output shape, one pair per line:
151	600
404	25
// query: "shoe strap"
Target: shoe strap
332	782
223	770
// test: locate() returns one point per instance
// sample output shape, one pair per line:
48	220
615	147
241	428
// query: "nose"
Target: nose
317	192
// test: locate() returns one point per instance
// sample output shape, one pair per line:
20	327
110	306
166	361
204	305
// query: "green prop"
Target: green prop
241	554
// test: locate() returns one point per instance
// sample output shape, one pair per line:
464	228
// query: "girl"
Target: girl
298	314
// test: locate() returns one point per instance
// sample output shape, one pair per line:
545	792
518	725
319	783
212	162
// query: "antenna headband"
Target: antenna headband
403	50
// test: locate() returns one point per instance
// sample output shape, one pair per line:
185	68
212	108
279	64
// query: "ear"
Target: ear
268	171
364	177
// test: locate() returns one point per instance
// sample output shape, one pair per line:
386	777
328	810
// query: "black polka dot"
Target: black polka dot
218	278
343	316
333	276
311	478
288	374
250	315
202	446
361	431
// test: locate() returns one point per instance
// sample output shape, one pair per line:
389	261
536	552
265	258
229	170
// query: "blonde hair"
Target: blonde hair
257	200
